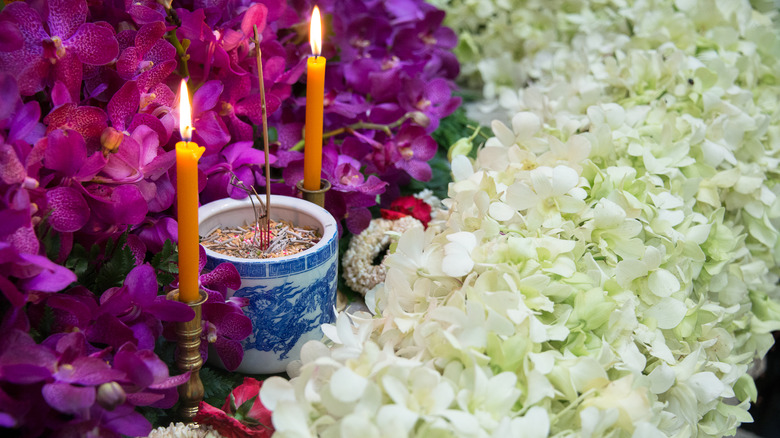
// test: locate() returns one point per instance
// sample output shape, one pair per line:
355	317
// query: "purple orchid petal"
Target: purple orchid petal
230	323
69	70
72	311
211	131
8	88
152	122
357	220
172	381
51	278
225	275
257	14
206	97
66	152
160	52
88	371
165	194
121	205
155	234
109	330
145	334
144	398
127	64
137	247
125	420
69	210
146	12
289	134
11	38
12	170
67	398
251	107
135	368
29	27
94	44
230	352
418	170
156	74
167	310
60	94
26	242
86	120
66	16
25	125
148	35
142	284
94	164
124	105
25	364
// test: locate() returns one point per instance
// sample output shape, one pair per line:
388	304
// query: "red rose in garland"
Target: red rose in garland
243	414
408	206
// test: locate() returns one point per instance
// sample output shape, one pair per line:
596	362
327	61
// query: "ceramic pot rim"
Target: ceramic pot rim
319	214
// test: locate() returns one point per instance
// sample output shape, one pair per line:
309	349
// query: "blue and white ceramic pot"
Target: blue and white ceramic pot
289	297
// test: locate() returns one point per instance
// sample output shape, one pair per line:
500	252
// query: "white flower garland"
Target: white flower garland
359	271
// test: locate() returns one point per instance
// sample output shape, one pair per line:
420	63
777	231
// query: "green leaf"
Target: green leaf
51	241
166	264
114	271
218	384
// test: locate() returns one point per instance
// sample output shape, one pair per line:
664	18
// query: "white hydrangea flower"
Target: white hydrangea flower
607	265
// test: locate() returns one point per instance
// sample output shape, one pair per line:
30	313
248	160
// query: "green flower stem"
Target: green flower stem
359	125
180	46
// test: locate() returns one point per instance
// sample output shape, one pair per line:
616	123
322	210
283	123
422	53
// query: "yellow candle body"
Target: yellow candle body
187	156
315	96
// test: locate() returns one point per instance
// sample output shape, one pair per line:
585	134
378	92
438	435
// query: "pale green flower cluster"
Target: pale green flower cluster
609	263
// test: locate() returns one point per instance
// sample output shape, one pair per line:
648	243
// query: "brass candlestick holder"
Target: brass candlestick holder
315	196
188	359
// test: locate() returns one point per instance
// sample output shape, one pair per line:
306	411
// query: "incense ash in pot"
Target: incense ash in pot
285	239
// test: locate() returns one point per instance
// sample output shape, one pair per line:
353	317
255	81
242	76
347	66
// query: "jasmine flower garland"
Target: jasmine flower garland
609	263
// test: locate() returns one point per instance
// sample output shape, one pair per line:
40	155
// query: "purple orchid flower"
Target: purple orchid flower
141	161
433	99
136	306
156	230
408	151
239	159
69	43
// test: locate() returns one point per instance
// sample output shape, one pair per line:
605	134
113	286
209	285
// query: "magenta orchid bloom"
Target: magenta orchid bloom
59	52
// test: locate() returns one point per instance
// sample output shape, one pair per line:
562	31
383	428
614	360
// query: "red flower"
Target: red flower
243	414
408	206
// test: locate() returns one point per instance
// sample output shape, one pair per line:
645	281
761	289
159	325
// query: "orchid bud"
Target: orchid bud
420	118
461	147
110	395
110	139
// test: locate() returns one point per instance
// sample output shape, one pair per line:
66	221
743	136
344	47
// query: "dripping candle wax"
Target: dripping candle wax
315	94
187	155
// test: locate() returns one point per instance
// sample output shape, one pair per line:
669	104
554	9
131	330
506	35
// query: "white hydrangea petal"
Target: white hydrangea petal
663	283
668	312
526	124
501	211
276	389
346	385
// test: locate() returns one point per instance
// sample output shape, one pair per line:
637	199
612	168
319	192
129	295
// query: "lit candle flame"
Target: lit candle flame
185	113
315	32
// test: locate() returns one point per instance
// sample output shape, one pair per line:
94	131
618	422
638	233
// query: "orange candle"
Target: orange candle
187	155
315	95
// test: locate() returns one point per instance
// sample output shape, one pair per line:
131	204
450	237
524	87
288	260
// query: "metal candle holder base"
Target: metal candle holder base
188	358
315	196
